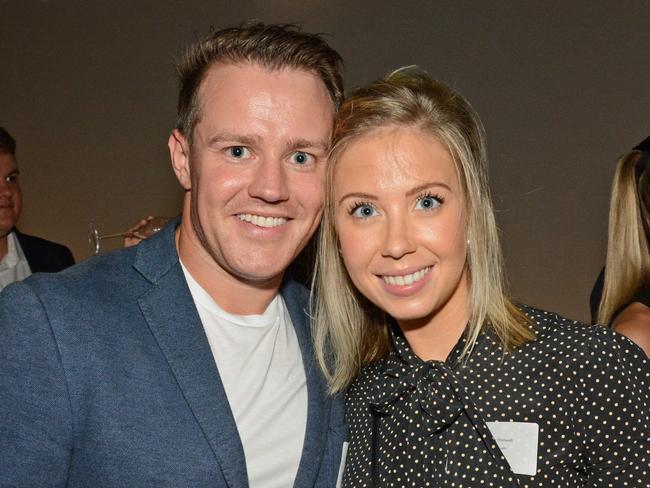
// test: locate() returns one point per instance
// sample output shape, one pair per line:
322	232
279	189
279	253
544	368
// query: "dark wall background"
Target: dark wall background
88	90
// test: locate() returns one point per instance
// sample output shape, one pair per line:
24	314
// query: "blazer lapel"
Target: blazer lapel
171	315
318	402
33	259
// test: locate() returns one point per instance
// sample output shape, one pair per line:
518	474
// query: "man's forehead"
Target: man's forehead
8	164
237	98
221	73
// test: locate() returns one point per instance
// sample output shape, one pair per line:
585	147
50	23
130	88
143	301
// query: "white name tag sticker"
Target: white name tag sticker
518	443
344	454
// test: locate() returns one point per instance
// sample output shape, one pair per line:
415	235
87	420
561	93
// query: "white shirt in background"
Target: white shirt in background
260	364
14	265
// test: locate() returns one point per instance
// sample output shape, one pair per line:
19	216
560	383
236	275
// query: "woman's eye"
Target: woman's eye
427	203
239	152
363	211
301	158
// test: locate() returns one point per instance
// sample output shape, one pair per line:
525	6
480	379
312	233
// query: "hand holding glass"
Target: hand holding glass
142	230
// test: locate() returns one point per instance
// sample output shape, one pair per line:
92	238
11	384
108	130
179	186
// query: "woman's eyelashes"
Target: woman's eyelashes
362	210
426	201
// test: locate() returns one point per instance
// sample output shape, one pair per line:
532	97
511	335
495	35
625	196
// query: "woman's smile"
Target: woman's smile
400	220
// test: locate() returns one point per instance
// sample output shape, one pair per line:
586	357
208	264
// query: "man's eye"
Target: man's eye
12	179
301	158
239	152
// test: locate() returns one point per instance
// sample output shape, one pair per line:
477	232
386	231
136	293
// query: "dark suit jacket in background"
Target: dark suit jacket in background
44	256
107	379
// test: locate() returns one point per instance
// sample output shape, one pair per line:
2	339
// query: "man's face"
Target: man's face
255	168
11	198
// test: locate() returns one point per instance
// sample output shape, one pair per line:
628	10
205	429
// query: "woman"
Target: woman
450	384
625	303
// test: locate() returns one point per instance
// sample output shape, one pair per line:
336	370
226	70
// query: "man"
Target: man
21	254
186	360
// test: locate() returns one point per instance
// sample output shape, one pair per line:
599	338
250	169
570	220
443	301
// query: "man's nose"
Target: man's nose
270	181
5	190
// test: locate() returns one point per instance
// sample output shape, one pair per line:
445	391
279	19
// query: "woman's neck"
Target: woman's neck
434	337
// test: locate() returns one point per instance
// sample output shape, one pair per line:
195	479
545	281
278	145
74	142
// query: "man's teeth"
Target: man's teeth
261	221
405	280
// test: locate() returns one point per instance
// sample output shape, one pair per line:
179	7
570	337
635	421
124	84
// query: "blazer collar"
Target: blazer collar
318	403
156	256
169	311
173	319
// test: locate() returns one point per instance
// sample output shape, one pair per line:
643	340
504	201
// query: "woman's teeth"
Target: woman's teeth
405	280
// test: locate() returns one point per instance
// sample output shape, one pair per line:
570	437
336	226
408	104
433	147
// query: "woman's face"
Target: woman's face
400	219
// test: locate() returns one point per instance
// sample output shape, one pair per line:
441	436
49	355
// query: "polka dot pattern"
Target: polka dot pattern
586	387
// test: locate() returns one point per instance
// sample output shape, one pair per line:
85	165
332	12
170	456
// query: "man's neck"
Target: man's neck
232	294
4	246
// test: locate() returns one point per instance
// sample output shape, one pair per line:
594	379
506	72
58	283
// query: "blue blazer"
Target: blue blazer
107	379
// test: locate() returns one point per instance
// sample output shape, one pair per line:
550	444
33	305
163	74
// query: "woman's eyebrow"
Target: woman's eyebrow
366	196
426	186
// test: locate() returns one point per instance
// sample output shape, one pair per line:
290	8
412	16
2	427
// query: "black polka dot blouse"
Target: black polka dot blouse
583	390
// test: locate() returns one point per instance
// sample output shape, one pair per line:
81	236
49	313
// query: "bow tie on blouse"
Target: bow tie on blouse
426	392
424	398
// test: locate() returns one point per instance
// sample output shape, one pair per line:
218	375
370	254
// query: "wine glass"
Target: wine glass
143	229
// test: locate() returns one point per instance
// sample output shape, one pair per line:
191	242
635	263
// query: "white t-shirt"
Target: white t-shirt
14	265
260	364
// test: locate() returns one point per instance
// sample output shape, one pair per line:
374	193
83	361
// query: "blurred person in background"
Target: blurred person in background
621	296
21	254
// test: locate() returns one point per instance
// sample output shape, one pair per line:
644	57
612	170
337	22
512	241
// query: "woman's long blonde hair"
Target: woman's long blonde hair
627	266
349	331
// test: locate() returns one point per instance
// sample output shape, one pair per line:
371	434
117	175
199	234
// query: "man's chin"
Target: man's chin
262	281
5	230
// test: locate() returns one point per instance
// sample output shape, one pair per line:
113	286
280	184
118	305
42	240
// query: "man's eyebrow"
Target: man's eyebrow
250	140
295	144
426	186
243	139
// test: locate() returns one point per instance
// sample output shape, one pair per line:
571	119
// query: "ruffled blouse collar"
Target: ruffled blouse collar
410	384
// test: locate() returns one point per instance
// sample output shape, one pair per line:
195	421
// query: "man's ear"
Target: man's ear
179	150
